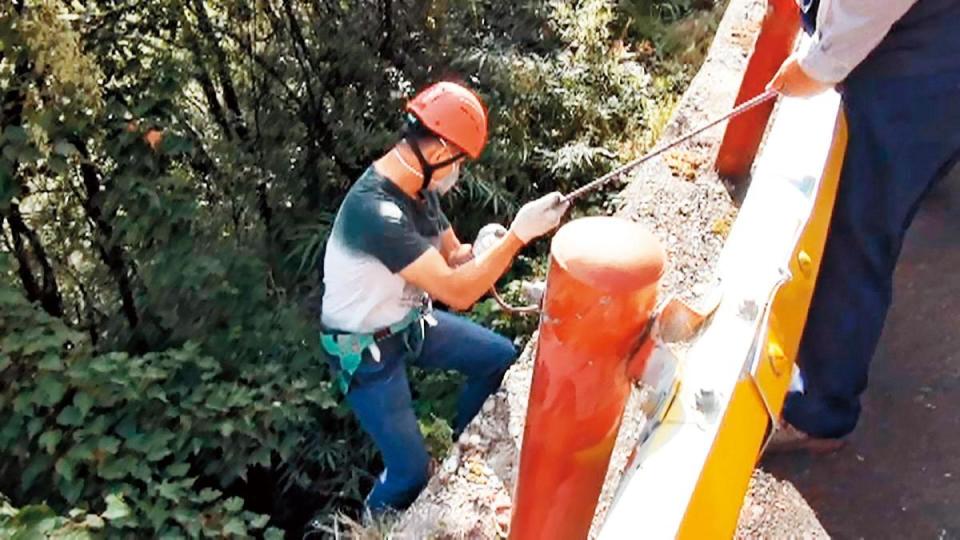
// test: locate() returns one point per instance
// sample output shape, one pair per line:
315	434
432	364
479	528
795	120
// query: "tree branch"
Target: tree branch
293	100
386	28
300	51
230	97
29	282
210	93
111	253
49	292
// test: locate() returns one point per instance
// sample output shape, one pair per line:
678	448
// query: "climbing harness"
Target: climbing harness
349	347
627	167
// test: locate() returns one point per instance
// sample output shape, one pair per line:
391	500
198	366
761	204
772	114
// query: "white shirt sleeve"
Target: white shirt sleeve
847	30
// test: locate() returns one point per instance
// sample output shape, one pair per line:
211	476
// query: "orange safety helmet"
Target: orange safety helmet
455	113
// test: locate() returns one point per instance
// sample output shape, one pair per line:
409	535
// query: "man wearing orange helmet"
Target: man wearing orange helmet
390	251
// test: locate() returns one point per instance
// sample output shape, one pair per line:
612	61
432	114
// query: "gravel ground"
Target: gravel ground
775	509
690	210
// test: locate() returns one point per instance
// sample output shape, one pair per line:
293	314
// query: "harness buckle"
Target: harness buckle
426	311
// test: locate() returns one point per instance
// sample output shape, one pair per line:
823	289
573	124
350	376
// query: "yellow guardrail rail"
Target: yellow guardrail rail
689	477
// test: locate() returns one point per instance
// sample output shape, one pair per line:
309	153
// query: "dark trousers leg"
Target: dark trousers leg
482	355
904	136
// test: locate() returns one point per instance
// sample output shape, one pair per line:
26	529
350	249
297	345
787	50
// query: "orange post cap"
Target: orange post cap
593	251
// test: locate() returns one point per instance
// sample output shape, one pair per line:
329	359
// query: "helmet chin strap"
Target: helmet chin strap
425	166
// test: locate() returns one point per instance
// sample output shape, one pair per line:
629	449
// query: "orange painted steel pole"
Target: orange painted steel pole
741	141
601	289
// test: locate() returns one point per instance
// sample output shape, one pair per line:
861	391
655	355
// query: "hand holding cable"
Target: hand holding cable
539	217
534	219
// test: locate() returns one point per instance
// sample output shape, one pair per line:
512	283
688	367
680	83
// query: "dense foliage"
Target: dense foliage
168	173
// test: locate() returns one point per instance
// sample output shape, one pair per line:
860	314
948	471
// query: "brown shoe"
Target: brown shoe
787	438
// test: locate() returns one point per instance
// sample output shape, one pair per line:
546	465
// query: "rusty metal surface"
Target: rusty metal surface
741	141
601	289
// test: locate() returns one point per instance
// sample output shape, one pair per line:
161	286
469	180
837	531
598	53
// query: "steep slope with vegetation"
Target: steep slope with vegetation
168	173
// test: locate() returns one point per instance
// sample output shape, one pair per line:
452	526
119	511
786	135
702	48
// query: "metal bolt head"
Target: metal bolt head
776	356
706	400
805	263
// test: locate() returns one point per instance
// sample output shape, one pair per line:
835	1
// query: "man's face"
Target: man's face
444	177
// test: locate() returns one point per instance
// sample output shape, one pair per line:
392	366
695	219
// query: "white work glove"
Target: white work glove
487	237
539	217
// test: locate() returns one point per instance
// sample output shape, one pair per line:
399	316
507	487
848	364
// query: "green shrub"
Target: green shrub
156	428
40	521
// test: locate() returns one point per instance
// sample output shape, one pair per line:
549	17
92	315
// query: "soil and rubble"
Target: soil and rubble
681	199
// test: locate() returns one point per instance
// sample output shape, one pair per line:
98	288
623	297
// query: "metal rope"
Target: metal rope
627	167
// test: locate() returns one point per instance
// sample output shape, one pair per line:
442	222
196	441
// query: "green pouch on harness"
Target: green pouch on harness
349	348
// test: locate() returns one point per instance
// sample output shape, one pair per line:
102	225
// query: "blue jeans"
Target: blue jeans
904	137
380	397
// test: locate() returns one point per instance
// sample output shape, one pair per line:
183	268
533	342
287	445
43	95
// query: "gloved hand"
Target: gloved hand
487	237
539	217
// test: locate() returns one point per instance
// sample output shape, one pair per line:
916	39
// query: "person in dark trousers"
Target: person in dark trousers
391	250
896	64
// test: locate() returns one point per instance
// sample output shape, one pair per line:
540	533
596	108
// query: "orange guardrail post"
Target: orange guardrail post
601	289
742	138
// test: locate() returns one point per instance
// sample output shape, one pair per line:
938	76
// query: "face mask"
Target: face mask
447	182
428	169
